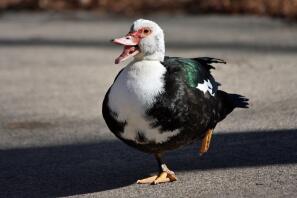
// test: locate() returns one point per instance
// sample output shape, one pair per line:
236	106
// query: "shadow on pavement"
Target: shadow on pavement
78	169
207	45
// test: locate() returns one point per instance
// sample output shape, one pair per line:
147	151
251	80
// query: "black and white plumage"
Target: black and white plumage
159	103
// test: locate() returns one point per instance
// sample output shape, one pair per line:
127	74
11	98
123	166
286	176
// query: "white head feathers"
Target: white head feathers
151	47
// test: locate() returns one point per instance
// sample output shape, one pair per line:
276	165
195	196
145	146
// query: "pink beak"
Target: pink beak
127	40
130	42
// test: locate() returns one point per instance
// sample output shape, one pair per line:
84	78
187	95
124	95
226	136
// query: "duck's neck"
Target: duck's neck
157	56
145	68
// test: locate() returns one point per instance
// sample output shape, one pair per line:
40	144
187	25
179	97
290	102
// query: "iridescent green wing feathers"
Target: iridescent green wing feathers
197	70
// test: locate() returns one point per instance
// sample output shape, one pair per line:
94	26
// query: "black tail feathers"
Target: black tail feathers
228	102
238	101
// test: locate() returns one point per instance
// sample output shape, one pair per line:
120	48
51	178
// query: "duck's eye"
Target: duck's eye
146	31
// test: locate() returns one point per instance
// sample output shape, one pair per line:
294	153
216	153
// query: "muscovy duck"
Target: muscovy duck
158	103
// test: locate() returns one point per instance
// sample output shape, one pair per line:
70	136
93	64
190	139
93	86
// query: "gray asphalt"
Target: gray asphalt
55	70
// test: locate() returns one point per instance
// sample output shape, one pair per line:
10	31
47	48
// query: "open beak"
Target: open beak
130	42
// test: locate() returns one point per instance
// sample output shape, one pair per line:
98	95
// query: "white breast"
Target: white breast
135	91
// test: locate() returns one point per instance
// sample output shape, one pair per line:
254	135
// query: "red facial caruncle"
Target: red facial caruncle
131	42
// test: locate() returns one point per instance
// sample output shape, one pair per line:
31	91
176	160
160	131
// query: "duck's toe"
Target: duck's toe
163	177
147	180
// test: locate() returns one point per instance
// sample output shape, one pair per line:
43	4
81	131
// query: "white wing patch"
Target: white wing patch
206	86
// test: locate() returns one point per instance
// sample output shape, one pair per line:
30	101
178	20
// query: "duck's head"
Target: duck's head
145	40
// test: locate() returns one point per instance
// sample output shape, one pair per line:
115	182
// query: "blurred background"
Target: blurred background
56	64
277	8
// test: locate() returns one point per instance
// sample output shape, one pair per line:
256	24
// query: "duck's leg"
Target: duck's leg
205	142
165	175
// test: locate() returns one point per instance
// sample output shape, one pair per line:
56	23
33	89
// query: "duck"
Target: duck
159	103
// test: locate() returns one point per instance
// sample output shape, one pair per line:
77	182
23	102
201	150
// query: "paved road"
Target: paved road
54	71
